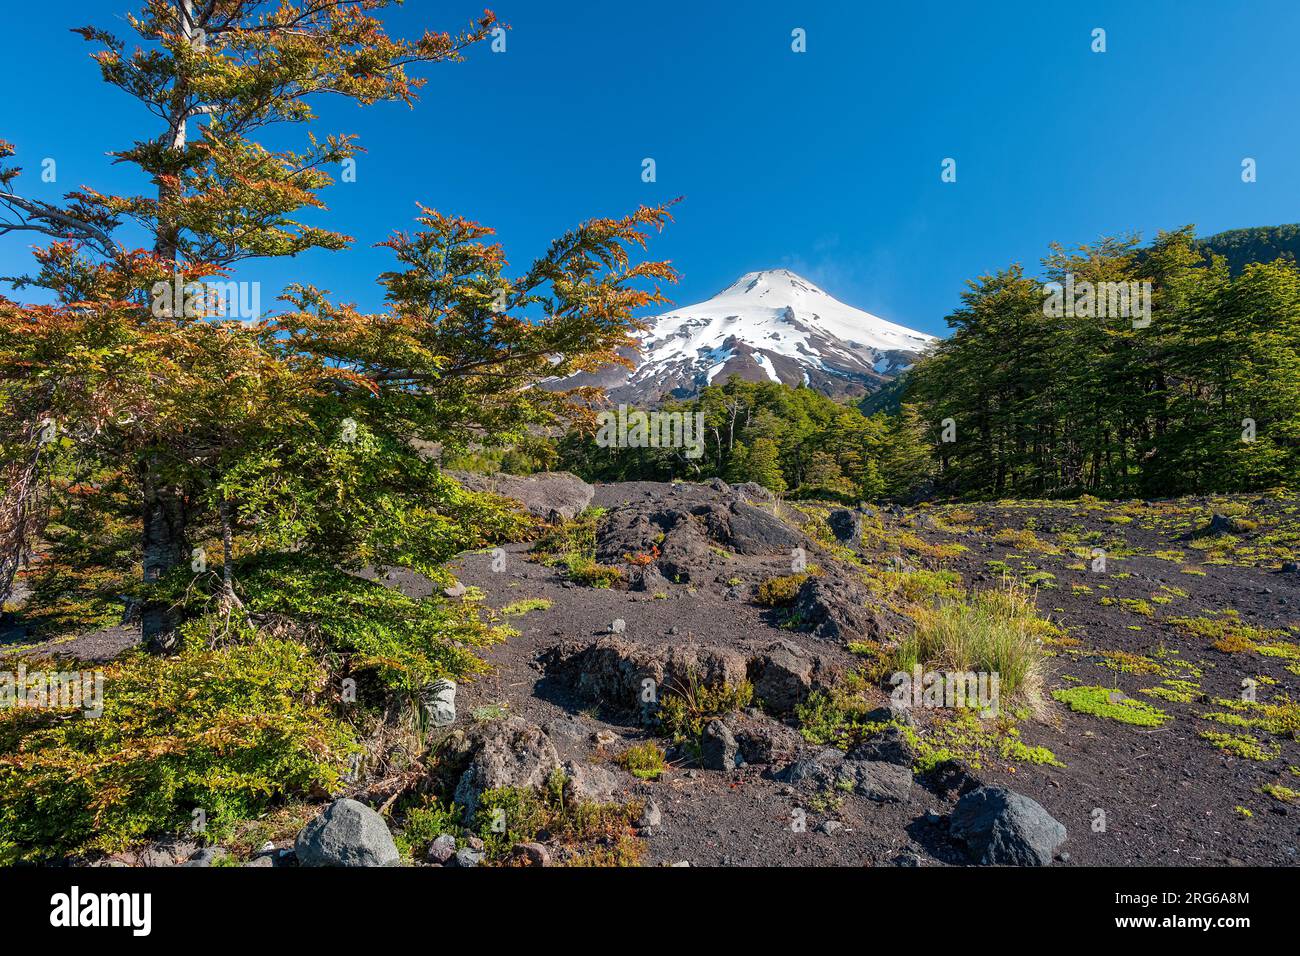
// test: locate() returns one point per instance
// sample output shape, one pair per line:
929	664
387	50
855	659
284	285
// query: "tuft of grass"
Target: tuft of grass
686	707
517	608
996	631
1110	705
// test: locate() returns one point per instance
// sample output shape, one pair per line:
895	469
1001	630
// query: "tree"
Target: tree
216	200
763	466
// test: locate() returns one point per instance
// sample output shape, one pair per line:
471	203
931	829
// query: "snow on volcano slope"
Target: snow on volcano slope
766	326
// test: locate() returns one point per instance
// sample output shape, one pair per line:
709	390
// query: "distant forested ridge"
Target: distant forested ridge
1241	247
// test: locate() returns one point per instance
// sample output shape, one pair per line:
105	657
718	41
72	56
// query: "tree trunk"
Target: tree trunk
164	511
164	549
227	551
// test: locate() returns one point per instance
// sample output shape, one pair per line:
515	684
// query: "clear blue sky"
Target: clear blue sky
826	162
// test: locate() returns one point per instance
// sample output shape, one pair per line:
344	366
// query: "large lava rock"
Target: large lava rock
747	529
846	525
346	833
828	769
1003	828
505	753
612	672
782	676
551	495
838	609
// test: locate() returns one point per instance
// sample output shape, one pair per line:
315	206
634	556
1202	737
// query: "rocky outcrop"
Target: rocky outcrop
828	769
839	609
613	672
846	525
550	495
687	536
504	753
718	748
782	675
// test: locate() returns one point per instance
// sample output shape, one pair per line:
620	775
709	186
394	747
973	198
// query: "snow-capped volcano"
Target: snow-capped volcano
771	325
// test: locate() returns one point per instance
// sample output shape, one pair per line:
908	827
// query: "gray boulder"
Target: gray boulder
1003	828
588	782
782	677
890	745
816	771
746	529
718	748
208	856
846	525
551	495
878	781
753	491
829	769
442	849
839	609
763	740
439	700
468	857
346	833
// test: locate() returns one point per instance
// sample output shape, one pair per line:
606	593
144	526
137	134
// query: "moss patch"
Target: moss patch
1110	705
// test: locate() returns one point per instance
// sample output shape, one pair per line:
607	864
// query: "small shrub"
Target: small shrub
524	606
684	709
228	730
580	833
644	761
780	591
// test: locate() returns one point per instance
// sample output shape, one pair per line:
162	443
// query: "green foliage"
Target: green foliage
228	731
588	571
424	823
780	591
645	761
836	718
1057	405
364	626
572	546
784	438
592	834
1242	745
686	707
516	608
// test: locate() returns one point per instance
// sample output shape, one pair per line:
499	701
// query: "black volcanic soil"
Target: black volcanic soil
1169	796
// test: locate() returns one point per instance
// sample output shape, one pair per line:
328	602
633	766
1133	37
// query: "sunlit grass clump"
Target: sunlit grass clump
996	632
